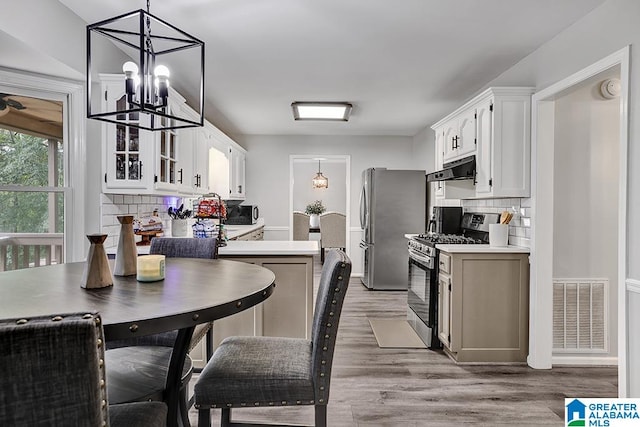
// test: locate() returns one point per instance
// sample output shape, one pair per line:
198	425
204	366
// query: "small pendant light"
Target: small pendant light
320	181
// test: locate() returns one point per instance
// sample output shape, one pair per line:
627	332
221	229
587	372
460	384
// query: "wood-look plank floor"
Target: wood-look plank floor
372	386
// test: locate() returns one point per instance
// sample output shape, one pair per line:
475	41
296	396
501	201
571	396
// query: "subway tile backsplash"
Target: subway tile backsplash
520	225
113	205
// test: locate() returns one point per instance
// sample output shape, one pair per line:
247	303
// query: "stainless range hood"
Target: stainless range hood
458	169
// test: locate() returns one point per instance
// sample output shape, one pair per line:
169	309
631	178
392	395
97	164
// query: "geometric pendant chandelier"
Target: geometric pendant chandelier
155	54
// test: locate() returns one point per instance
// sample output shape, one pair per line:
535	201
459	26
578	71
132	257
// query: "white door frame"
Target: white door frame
347	161
542	152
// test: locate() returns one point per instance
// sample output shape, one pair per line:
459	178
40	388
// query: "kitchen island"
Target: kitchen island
289	311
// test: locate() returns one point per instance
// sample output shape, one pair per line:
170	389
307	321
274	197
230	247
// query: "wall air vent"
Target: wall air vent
580	315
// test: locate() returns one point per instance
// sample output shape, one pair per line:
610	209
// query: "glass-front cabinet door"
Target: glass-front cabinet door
127	149
168	175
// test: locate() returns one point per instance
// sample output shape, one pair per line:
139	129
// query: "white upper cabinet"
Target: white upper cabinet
227	167
128	152
460	136
237	158
171	161
495	126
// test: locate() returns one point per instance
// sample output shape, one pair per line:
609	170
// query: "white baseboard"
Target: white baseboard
584	361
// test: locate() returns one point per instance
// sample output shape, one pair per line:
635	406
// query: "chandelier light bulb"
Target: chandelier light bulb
161	71
130	69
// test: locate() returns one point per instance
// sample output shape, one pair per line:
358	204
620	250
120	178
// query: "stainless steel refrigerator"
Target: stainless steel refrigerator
392	204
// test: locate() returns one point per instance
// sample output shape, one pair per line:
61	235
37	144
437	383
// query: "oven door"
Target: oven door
422	295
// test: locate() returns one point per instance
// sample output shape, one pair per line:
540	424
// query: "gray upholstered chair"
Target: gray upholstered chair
270	371
333	231
138	366
300	226
53	374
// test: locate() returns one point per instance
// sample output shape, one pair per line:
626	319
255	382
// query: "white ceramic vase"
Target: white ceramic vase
314	221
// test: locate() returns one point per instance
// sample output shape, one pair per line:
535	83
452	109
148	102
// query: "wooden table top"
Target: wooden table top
193	291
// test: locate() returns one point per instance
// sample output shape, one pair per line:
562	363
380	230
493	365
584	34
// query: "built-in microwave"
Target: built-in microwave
242	214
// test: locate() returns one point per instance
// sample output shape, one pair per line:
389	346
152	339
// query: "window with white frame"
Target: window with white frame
40	132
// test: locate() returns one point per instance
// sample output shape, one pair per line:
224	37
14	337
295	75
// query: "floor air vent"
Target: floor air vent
579	315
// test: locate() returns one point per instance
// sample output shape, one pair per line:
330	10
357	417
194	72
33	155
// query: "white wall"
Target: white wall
334	198
585	217
267	176
605	30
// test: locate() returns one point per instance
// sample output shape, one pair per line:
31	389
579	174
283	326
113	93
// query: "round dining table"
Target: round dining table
193	291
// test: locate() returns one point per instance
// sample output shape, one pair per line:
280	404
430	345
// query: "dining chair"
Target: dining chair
138	366
53	374
300	226
272	371
333	232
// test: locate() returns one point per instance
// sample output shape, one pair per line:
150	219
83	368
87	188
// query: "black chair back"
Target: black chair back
332	290
184	247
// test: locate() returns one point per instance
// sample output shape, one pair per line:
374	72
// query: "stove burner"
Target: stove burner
435	238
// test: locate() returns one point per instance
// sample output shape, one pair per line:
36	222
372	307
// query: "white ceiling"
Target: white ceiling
403	64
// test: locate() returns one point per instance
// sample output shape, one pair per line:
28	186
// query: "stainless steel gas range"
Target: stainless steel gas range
422	296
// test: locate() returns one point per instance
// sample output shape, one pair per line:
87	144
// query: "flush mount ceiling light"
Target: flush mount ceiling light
153	45
320	181
337	111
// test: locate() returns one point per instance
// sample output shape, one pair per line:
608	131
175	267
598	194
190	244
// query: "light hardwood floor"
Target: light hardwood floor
371	386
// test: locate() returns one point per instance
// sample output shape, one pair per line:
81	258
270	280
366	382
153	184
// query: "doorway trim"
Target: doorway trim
347	161
542	152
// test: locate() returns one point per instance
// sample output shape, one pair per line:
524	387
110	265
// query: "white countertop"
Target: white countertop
270	247
478	249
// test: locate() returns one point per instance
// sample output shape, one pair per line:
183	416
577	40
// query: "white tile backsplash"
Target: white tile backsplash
520	225
113	205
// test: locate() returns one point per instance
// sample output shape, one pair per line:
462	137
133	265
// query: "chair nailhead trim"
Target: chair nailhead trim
133	328
324	362
337	289
334	302
99	342
331	313
57	318
321	400
229	405
284	402
101	363
339	277
324	348
22	321
102	383
298	402
243	404
270	403
321	388
311	402
322	374
97	320
328	325
239	304
87	316
103	403
257	404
